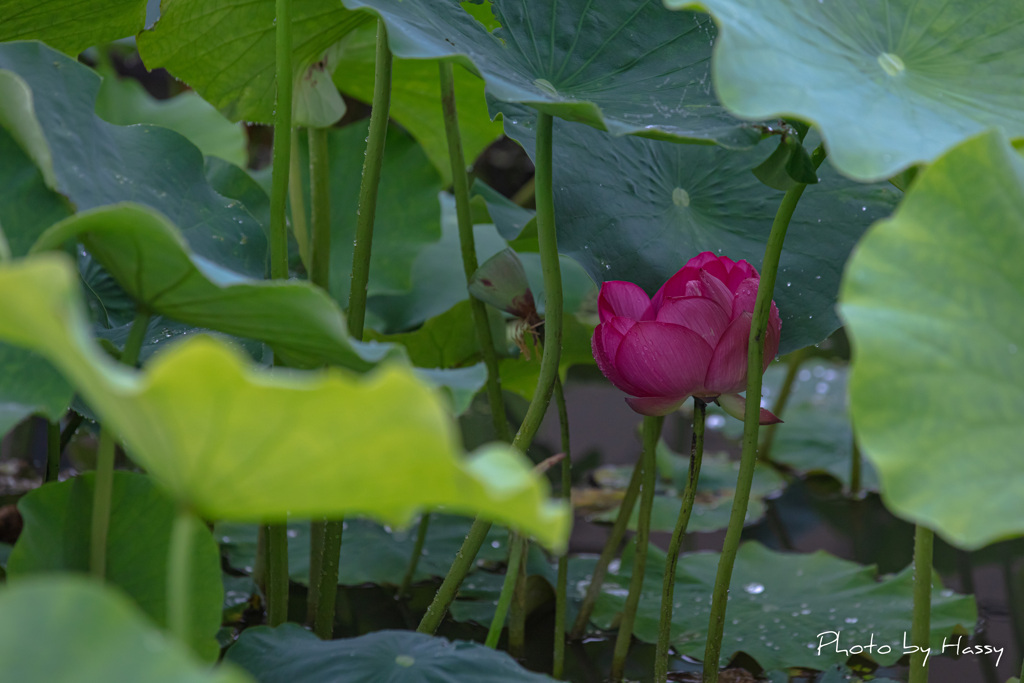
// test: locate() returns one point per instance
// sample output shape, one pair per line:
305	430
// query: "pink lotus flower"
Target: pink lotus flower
689	340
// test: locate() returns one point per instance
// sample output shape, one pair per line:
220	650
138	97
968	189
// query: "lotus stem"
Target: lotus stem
105	454
561	596
460	187
608	553
417	553
297	199
320	198
179	576
548	367
282	142
517	546
652	430
370	183
748	459
678	533
920	628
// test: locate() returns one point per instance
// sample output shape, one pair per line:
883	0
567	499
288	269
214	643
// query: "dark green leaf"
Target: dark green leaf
56	538
72	26
291	654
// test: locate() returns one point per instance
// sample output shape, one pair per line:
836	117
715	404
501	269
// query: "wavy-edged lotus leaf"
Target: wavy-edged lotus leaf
56	539
29	386
18	116
240	442
636	210
224	49
620	67
773	618
888	85
81	24
932	299
124	101
372	553
150	260
72	629
715	487
97	163
416	99
291	654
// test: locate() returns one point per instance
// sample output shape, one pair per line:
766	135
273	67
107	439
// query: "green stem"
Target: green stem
74	422
105	453
546	378
517	613
325	536
414	559
179	576
517	550
548	244
920	628
748	459
297	199
277	573
795	360
327	597
53	451
371	179
320	198
608	553
652	430
275	546
464	560
460	187
282	142
668	584
561	599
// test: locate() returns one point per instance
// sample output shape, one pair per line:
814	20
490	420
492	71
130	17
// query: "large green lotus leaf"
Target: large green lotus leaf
97	163
816	436
620	67
18	117
407	218
932	298
713	503
71	629
889	84
56	539
150	259
241	442
123	101
371	553
416	99
445	341
72	26
778	606
291	654
637	210
224	49
29	386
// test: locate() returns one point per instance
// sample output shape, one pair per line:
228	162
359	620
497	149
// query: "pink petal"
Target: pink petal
717	290
745	298
736	405
619	298
662	359
701	315
655	406
740	272
727	372
605	344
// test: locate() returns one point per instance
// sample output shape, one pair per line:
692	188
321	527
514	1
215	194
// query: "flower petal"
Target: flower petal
703	316
727	372
655	406
745	297
662	359
716	289
740	271
620	298
736	405
605	344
